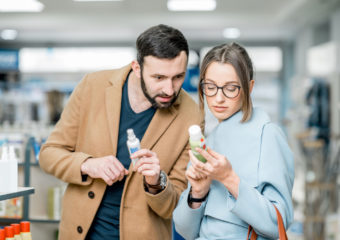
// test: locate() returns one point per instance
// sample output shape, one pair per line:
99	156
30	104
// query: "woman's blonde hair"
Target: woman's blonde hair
237	56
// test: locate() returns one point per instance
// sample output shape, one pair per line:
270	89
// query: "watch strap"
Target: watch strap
160	186
197	200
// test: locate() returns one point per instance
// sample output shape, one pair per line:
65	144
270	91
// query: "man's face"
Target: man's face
162	79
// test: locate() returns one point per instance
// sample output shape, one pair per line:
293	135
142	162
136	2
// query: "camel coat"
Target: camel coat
89	128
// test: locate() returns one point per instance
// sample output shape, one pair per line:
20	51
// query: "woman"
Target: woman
249	168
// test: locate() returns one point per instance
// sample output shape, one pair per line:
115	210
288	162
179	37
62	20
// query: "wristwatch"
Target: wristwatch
160	186
198	200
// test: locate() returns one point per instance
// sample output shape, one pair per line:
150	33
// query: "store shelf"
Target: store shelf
35	220
22	191
43	220
30	164
11	220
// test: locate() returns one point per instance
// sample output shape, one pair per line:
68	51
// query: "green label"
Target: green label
196	144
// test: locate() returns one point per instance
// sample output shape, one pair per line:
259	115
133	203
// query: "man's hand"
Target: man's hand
147	165
108	168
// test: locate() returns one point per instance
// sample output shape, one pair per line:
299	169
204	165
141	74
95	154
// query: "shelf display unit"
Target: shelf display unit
34	207
22	191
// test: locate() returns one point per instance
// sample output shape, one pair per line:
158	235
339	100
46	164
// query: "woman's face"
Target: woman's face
222	75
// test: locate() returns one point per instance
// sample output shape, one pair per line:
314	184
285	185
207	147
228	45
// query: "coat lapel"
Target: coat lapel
113	99
158	125
113	103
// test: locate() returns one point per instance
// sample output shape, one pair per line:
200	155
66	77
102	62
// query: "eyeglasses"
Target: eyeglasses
229	90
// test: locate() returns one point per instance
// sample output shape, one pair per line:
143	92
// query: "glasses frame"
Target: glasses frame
218	88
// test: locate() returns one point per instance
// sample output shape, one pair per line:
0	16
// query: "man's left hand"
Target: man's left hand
147	165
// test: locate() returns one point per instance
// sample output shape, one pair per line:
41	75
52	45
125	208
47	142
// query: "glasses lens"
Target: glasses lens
231	91
209	89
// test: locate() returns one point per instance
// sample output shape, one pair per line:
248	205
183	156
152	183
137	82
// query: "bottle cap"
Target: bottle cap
131	134
25	226
195	133
16	227
2	234
9	230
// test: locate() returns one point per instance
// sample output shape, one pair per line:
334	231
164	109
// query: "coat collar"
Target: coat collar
159	123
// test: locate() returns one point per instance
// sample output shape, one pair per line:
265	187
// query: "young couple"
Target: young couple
249	171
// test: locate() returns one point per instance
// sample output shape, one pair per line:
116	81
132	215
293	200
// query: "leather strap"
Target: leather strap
280	225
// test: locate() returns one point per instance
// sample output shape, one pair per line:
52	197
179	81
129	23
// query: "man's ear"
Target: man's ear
136	68
251	86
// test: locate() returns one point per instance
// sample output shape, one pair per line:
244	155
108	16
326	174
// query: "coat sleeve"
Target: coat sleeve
57	155
276	177
187	220
165	202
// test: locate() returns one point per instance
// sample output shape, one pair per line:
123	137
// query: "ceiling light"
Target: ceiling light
97	0
9	34
21	6
231	33
191	5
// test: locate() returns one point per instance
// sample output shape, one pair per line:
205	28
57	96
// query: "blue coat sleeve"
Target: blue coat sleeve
275	183
187	220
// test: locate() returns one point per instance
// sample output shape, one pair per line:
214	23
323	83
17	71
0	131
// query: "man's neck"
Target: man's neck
138	101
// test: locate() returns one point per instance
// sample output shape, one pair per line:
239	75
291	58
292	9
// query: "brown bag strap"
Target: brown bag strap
281	228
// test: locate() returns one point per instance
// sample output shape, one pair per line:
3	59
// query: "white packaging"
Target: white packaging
133	144
4	166
12	170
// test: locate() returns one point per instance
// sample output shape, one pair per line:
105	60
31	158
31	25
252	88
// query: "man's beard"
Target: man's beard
153	101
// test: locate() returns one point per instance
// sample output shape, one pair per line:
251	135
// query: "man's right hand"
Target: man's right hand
108	168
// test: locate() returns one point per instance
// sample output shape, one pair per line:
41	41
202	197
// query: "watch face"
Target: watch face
163	179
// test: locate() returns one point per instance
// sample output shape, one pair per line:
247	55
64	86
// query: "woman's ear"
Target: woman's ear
136	68
251	86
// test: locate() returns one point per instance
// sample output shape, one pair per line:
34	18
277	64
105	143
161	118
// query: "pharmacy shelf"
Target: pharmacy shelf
33	220
36	164
42	220
22	191
11	220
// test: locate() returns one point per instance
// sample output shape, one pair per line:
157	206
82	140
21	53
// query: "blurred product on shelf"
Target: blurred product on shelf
29	101
25	231
318	101
16	227
9	230
8	169
2	208
55	195
55	105
16	136
2	234
11	208
332	227
16	231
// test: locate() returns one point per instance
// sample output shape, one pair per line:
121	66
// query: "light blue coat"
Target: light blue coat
261	157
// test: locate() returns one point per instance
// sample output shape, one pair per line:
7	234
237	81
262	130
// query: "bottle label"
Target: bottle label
198	144
132	150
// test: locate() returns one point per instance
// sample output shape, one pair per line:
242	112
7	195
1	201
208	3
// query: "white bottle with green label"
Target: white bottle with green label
197	140
133	144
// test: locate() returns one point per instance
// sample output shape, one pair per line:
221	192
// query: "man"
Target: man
107	197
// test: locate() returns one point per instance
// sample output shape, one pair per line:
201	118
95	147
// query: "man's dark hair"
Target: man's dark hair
160	41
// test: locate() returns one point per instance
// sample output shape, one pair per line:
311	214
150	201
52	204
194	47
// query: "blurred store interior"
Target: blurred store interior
47	46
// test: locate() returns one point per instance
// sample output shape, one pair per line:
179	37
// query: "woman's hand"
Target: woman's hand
217	168
200	184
